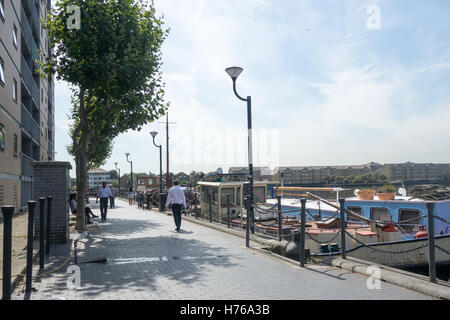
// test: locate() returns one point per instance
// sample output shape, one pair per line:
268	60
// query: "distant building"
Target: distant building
97	176
147	183
411	171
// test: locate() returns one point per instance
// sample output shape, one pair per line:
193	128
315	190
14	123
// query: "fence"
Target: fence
276	231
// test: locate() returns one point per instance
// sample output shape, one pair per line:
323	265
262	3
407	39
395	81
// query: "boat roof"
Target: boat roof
310	204
232	183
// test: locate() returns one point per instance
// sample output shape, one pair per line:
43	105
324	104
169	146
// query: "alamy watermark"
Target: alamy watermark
374	280
373	22
74	280
74	19
196	145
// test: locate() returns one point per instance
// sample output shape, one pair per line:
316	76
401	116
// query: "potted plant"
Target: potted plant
366	194
387	192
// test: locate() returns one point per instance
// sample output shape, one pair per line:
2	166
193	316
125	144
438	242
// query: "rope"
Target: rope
46	273
319	242
387	251
442	249
442	219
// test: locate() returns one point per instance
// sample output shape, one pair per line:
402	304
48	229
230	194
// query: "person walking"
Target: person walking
113	197
177	198
104	193
130	196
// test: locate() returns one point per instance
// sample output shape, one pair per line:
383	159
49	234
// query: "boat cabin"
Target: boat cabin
218	192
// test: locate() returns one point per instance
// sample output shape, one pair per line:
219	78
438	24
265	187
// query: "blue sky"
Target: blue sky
326	88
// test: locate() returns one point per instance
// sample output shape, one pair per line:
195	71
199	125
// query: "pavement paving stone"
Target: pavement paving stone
147	259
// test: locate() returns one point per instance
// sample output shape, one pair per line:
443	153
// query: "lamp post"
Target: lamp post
161	205
131	162
234	73
115	163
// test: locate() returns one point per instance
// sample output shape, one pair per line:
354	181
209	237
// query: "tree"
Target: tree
113	64
113	174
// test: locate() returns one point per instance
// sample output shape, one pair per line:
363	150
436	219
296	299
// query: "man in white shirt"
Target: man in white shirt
104	193
177	198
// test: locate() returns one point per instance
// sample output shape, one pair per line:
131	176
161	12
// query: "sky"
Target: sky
331	83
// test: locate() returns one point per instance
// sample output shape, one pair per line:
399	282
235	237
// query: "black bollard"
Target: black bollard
29	270
228	210
280	236
41	233
431	250
302	233
49	214
8	212
342	210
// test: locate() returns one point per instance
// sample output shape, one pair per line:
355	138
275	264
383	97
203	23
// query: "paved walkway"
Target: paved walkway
147	259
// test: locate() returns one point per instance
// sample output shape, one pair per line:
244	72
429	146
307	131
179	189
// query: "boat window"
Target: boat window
375	213
357	210
259	194
224	193
204	193
407	214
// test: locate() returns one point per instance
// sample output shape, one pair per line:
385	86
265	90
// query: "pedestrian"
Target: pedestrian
104	193
113	196
178	200
73	208
130	196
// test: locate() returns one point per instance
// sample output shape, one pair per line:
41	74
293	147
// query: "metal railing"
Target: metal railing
344	214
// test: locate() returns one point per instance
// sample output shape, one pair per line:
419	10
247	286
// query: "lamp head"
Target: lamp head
234	72
153	133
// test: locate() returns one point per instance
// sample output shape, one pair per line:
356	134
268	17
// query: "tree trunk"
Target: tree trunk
81	170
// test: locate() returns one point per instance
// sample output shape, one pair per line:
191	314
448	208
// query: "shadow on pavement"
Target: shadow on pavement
146	263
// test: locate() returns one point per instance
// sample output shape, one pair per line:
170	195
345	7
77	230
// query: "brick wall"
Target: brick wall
51	178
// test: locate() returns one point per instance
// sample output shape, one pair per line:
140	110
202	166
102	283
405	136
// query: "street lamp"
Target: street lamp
128	154
161	206
115	163
234	73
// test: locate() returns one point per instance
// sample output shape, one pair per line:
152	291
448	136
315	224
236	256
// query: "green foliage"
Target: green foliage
113	65
113	174
388	188
360	178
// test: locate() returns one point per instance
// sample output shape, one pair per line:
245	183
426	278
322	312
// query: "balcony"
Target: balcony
27	168
29	81
29	123
28	36
32	17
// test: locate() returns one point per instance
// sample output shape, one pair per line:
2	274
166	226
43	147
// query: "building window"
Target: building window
2	138
16	147
15	90
2	73
15	35
2	12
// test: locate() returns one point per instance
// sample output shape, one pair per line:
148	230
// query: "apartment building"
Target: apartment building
26	100
97	176
411	171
